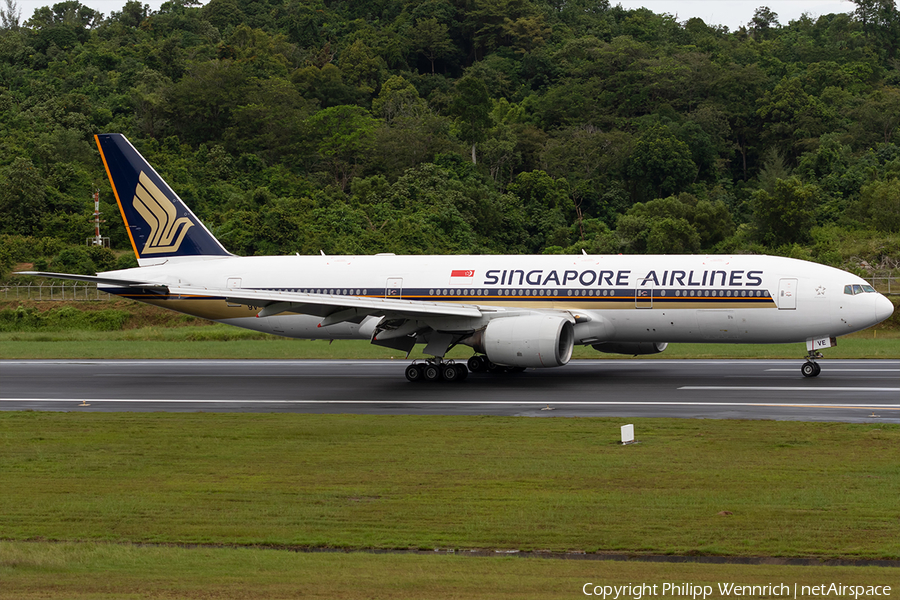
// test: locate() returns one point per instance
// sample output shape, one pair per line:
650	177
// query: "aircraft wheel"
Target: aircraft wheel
818	369
414	373
432	373
477	364
810	369
450	373
462	372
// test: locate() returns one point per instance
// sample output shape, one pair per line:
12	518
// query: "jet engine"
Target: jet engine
526	341
633	348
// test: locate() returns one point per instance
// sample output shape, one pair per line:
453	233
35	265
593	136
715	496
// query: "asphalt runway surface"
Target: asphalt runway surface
846	390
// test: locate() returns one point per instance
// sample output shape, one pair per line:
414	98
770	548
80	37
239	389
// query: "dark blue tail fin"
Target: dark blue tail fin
159	224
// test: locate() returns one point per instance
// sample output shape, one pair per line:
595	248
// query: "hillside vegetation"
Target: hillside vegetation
444	126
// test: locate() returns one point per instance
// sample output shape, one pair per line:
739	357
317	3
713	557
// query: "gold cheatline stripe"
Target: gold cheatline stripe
116	194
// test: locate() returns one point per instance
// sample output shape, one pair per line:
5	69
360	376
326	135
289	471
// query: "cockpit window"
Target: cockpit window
852	290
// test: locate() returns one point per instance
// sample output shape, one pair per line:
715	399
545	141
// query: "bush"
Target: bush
61	319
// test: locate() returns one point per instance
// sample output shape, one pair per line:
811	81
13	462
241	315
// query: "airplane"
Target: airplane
515	312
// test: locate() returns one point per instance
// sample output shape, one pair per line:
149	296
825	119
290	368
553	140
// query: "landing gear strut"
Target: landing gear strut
435	369
811	368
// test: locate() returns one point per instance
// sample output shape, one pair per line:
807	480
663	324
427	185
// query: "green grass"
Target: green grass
223	341
353	481
92	571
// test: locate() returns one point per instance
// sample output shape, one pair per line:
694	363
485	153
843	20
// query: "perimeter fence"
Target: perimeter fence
50	290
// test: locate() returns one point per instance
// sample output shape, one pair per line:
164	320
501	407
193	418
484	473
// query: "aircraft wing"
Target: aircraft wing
332	308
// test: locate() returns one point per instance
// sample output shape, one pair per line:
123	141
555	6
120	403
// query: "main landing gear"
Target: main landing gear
811	368
435	369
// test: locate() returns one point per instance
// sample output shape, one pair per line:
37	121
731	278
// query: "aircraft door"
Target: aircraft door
394	287
643	297
232	283
787	294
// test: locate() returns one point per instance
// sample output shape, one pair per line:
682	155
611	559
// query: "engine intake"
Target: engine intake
633	348
527	341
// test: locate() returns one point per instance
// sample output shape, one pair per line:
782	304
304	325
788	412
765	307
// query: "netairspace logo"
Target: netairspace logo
701	592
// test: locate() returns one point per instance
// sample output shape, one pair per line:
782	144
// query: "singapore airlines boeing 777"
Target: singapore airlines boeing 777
514	311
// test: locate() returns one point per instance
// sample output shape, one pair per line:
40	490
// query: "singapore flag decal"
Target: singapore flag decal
461	276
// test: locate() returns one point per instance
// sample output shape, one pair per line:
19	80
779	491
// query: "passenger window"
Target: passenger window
848	289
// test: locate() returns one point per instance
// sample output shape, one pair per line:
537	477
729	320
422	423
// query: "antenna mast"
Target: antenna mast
97	240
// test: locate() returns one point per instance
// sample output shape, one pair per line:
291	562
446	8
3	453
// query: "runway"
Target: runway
847	390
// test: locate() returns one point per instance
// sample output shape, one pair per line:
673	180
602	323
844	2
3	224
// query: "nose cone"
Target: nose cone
883	308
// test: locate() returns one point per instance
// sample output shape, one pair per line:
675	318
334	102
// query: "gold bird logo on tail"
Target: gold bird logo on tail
160	214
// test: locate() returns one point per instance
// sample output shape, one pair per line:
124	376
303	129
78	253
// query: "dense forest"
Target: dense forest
457	126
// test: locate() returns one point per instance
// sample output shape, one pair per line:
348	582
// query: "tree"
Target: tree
133	13
661	162
547	209
10	15
70	13
878	116
271	122
223	13
345	135
150	103
206	97
409	141
763	22
672	236
325	85
589	159
773	169
787	215
881	22
471	105
361	67
431	39
22	197
880	205
398	98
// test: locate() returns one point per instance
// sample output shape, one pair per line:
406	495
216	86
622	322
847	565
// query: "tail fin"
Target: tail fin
159	224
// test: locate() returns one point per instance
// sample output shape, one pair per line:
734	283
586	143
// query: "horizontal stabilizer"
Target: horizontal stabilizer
93	279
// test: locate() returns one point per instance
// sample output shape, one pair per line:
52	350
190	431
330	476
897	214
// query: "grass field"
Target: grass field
83	491
355	481
73	571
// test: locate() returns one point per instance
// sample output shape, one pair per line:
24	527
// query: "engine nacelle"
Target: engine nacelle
527	341
633	348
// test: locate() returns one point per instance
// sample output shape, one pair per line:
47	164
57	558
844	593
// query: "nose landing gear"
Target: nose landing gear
811	368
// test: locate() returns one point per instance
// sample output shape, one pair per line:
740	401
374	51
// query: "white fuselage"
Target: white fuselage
739	299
